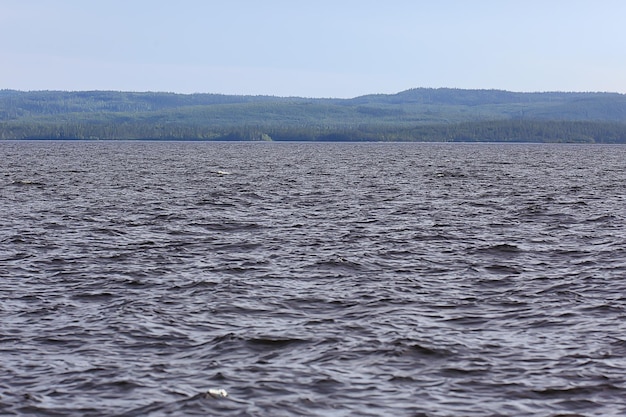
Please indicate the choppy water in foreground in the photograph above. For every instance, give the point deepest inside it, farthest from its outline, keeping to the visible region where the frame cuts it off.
(312, 279)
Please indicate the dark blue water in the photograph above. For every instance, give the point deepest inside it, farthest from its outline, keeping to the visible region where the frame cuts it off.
(248, 279)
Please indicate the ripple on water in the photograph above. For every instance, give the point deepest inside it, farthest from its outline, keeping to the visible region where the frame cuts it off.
(236, 279)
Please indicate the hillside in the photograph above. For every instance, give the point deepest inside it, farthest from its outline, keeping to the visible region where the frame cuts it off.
(412, 115)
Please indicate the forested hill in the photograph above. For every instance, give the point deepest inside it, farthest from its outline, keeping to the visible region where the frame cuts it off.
(413, 115)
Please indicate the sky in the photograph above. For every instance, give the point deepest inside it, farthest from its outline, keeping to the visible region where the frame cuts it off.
(312, 48)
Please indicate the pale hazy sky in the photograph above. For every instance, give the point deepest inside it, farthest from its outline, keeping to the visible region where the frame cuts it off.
(312, 48)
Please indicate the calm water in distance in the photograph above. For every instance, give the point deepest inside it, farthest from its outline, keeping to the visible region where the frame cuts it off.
(143, 278)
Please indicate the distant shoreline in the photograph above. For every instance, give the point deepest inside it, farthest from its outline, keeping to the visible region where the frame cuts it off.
(422, 115)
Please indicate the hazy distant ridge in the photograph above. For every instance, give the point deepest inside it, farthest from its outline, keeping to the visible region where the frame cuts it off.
(417, 114)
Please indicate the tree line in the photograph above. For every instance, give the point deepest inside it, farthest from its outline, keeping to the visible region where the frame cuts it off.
(482, 131)
(413, 115)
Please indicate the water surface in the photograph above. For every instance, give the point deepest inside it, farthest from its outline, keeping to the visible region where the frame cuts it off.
(312, 279)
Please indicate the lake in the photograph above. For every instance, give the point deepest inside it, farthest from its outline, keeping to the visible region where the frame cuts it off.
(312, 279)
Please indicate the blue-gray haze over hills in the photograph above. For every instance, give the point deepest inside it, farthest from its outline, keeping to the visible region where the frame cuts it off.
(413, 115)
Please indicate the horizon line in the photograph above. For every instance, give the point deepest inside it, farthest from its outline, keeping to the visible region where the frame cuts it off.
(310, 97)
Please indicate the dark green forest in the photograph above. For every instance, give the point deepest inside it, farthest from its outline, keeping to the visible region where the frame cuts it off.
(421, 114)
